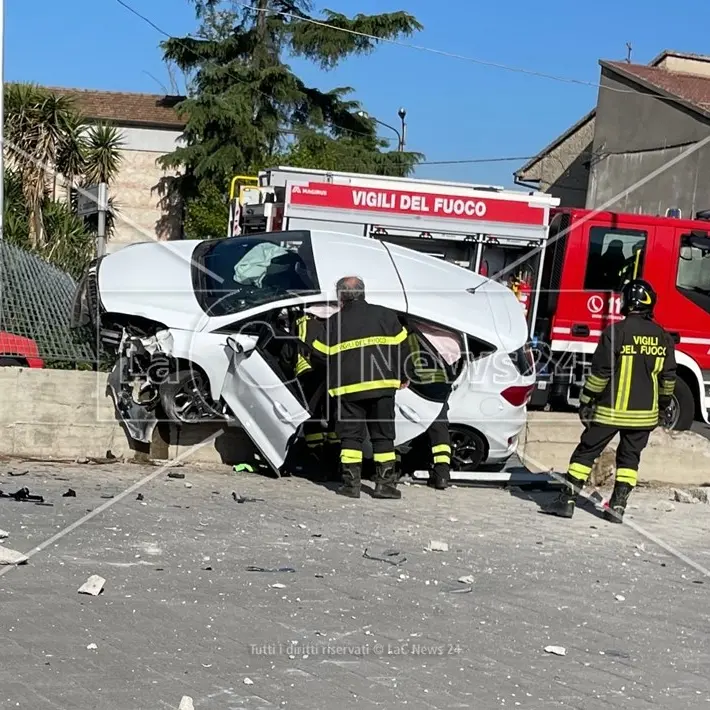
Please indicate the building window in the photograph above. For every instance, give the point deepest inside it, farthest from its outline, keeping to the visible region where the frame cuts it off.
(615, 257)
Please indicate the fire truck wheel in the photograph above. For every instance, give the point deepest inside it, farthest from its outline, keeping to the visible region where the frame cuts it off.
(684, 406)
(468, 448)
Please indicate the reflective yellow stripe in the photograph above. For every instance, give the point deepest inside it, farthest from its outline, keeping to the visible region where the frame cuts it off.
(360, 343)
(579, 471)
(667, 387)
(626, 475)
(332, 436)
(441, 448)
(302, 365)
(385, 458)
(596, 384)
(624, 387)
(314, 437)
(639, 419)
(442, 458)
(350, 456)
(364, 387)
(584, 398)
(654, 376)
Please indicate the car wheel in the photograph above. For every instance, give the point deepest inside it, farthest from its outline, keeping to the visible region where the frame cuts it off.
(187, 400)
(468, 448)
(12, 362)
(682, 407)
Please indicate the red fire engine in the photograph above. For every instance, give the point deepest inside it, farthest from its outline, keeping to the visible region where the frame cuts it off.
(566, 266)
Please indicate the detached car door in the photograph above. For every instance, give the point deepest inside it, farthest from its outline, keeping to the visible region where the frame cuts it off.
(256, 392)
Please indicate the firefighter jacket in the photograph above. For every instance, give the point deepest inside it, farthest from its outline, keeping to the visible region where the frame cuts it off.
(365, 349)
(633, 367)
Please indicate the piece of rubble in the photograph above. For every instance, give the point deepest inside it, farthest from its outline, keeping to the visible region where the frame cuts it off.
(278, 585)
(71, 493)
(683, 497)
(176, 474)
(391, 557)
(665, 506)
(93, 586)
(92, 647)
(186, 703)
(188, 484)
(556, 650)
(620, 598)
(699, 494)
(12, 557)
(467, 579)
(438, 546)
(4, 534)
(248, 681)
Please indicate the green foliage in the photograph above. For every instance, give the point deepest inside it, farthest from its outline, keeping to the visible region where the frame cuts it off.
(50, 149)
(207, 216)
(247, 109)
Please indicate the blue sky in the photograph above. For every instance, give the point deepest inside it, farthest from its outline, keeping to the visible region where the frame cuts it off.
(457, 110)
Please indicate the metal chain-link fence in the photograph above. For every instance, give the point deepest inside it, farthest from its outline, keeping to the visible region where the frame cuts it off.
(36, 302)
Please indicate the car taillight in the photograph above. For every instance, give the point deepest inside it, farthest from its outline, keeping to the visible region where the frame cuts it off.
(518, 396)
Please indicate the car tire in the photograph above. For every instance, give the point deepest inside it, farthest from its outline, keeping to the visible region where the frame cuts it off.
(12, 362)
(684, 405)
(182, 403)
(468, 448)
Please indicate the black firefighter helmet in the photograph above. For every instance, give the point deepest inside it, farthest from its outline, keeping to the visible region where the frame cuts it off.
(638, 296)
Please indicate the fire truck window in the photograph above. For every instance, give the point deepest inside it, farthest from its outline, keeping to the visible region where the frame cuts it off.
(693, 279)
(615, 256)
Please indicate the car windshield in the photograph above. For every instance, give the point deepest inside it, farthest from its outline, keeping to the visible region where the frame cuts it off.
(231, 275)
(693, 279)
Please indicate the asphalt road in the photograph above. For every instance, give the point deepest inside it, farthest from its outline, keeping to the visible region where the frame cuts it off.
(182, 614)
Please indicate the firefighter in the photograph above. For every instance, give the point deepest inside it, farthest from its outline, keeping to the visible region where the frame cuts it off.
(365, 348)
(322, 442)
(433, 383)
(632, 378)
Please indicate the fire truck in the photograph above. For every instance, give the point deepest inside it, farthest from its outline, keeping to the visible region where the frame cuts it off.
(566, 266)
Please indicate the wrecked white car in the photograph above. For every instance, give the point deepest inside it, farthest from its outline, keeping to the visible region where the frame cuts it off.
(200, 331)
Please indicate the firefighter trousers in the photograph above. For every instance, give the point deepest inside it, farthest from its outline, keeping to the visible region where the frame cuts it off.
(356, 418)
(314, 432)
(595, 438)
(440, 444)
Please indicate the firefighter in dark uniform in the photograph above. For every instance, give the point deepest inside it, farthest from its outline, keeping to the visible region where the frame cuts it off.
(433, 383)
(365, 347)
(630, 385)
(322, 443)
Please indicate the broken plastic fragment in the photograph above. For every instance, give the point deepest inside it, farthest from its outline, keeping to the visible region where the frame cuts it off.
(240, 467)
(391, 557)
(186, 703)
(248, 681)
(556, 650)
(93, 586)
(466, 579)
(438, 546)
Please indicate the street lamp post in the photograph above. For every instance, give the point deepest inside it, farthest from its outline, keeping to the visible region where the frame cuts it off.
(401, 135)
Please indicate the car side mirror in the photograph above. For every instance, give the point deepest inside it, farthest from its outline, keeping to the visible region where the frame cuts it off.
(235, 345)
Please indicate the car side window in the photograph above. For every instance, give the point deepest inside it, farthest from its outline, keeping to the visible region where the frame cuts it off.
(615, 256)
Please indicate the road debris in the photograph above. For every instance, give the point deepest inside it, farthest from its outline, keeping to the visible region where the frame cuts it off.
(11, 557)
(438, 546)
(4, 534)
(556, 650)
(71, 493)
(23, 495)
(242, 499)
(176, 474)
(17, 473)
(92, 647)
(186, 703)
(243, 467)
(278, 585)
(699, 494)
(391, 557)
(248, 681)
(682, 497)
(467, 579)
(253, 568)
(140, 497)
(93, 586)
(620, 597)
(188, 484)
(665, 506)
(107, 495)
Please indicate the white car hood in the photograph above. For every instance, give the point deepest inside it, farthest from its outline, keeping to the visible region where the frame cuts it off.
(153, 281)
(492, 312)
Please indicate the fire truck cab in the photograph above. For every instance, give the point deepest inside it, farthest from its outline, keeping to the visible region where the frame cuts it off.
(566, 266)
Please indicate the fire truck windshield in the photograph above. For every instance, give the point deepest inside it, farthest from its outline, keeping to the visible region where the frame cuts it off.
(693, 279)
(231, 275)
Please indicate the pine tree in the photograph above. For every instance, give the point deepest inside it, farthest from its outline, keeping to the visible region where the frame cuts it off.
(247, 109)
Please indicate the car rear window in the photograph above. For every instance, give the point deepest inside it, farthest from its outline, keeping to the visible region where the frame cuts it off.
(523, 360)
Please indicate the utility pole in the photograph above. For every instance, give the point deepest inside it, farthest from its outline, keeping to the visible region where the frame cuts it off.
(102, 204)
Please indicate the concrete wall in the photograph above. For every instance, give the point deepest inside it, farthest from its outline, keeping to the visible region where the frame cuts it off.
(139, 190)
(635, 135)
(66, 415)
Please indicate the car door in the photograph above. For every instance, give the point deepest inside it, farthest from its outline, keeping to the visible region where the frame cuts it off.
(413, 415)
(257, 394)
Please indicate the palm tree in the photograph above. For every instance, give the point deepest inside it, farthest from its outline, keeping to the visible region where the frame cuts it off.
(103, 154)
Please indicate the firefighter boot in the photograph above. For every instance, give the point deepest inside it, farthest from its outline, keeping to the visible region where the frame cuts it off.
(617, 503)
(386, 481)
(351, 475)
(563, 504)
(439, 478)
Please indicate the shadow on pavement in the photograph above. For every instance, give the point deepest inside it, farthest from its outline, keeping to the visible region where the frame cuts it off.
(542, 497)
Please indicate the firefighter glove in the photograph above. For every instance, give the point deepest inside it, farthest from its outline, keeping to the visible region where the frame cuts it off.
(586, 412)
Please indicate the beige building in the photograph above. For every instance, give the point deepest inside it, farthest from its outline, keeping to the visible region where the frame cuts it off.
(150, 127)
